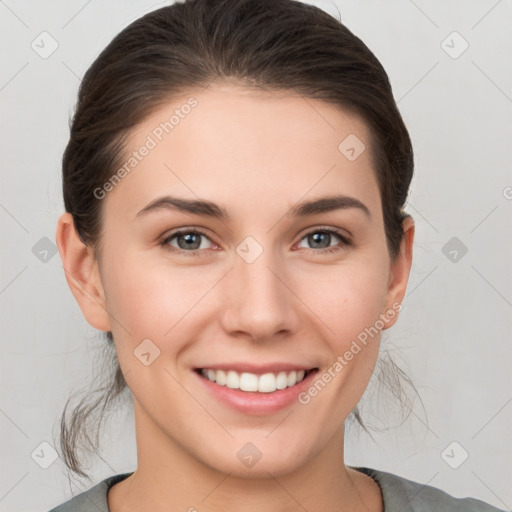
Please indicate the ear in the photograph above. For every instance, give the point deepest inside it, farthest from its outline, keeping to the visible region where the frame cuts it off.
(399, 275)
(82, 273)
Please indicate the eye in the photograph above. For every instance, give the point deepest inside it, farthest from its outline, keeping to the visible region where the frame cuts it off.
(322, 238)
(189, 240)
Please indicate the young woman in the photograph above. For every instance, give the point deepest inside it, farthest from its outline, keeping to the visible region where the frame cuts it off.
(234, 187)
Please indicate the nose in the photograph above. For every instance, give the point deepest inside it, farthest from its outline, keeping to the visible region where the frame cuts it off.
(258, 299)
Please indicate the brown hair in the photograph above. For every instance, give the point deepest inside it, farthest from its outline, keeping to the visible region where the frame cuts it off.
(279, 45)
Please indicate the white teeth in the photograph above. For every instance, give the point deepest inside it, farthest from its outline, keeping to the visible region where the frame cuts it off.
(282, 380)
(220, 377)
(233, 380)
(266, 383)
(248, 382)
(292, 378)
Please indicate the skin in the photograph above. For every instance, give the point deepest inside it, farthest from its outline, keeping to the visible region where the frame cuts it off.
(256, 154)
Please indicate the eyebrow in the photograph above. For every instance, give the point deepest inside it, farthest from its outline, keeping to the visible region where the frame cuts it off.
(210, 209)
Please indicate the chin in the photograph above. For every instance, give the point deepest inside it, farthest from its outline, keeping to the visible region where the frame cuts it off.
(257, 459)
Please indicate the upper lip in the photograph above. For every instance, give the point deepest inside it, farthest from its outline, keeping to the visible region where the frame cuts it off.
(241, 367)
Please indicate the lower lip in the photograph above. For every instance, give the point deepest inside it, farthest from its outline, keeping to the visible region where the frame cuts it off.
(250, 402)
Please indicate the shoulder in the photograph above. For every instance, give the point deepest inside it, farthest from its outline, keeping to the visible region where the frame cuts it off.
(93, 499)
(400, 494)
(408, 496)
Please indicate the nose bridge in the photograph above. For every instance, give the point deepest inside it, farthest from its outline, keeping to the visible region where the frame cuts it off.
(258, 303)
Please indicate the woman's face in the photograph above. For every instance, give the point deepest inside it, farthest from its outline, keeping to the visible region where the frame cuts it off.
(263, 289)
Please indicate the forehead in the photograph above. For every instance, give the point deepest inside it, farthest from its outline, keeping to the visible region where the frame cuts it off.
(239, 144)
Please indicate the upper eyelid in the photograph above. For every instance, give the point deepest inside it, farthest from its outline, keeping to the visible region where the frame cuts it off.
(337, 231)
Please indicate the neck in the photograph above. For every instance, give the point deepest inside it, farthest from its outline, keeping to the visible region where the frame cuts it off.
(168, 477)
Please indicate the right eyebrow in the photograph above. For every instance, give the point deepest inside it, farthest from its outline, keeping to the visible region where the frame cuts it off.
(196, 207)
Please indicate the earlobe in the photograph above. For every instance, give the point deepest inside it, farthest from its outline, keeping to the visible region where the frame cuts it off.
(82, 273)
(399, 273)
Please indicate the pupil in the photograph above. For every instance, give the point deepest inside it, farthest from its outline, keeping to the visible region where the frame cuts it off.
(189, 241)
(319, 237)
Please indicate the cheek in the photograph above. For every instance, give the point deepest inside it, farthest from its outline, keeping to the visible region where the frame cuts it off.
(146, 303)
(347, 299)
(349, 306)
(350, 303)
(147, 298)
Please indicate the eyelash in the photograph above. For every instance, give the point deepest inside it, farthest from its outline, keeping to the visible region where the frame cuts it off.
(196, 252)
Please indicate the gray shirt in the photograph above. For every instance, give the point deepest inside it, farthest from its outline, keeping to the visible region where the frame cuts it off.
(399, 494)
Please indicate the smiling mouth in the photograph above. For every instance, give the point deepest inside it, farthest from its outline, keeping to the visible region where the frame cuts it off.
(251, 382)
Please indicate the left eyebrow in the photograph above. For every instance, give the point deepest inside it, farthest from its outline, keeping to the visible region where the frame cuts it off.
(210, 209)
(327, 204)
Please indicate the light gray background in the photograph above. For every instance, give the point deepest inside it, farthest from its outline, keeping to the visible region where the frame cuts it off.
(454, 334)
